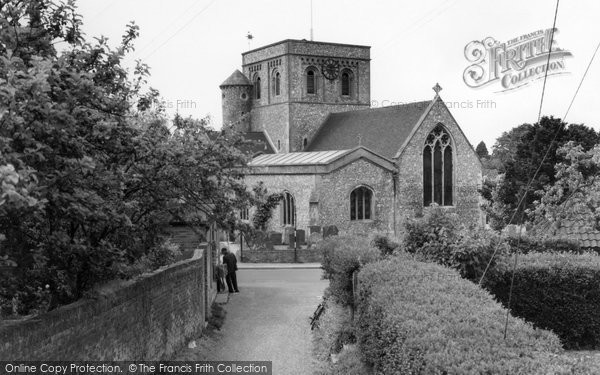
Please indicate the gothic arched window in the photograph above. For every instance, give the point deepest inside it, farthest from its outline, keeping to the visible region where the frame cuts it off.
(288, 209)
(346, 79)
(257, 87)
(311, 82)
(361, 200)
(277, 83)
(437, 168)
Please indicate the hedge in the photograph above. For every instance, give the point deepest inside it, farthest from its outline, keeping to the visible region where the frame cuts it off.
(342, 256)
(527, 244)
(556, 291)
(423, 318)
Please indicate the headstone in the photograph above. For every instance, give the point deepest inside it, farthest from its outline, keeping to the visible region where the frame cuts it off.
(314, 238)
(286, 234)
(300, 237)
(269, 244)
(330, 230)
(292, 241)
(314, 229)
(275, 238)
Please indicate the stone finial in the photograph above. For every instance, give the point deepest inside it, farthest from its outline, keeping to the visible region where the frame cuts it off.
(437, 88)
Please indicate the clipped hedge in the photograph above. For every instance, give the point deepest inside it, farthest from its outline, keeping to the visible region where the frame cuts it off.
(556, 291)
(342, 255)
(423, 318)
(527, 244)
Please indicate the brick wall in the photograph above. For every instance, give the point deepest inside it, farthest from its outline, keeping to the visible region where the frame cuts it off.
(282, 256)
(143, 320)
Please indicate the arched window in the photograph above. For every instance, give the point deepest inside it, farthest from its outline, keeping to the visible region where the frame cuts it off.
(257, 87)
(437, 168)
(361, 200)
(311, 82)
(288, 209)
(346, 80)
(277, 83)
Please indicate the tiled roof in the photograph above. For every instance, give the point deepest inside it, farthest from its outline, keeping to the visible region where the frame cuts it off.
(581, 230)
(237, 78)
(258, 143)
(382, 130)
(297, 158)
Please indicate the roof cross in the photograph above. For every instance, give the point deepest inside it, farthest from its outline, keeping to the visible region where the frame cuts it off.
(437, 88)
(359, 136)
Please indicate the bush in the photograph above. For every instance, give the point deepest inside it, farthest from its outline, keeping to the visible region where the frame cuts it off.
(437, 238)
(528, 244)
(384, 244)
(422, 318)
(556, 291)
(342, 256)
(333, 331)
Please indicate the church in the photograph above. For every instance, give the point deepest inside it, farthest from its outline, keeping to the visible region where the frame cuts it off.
(337, 161)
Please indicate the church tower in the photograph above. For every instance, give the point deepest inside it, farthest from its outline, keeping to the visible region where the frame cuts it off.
(236, 99)
(294, 85)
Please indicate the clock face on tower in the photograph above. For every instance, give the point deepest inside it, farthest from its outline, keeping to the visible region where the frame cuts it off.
(330, 69)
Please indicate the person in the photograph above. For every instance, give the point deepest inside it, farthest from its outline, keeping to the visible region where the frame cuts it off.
(230, 261)
(221, 273)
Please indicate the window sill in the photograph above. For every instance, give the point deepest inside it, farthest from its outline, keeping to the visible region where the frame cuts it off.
(363, 221)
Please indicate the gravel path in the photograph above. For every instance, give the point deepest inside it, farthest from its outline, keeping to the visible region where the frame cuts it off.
(268, 320)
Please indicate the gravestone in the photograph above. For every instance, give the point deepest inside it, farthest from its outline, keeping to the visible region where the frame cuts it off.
(300, 237)
(314, 229)
(330, 230)
(314, 238)
(275, 238)
(286, 234)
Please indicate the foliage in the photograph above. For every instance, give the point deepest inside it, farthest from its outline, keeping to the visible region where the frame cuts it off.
(265, 204)
(438, 238)
(422, 318)
(333, 331)
(89, 172)
(575, 196)
(342, 256)
(528, 244)
(384, 244)
(482, 150)
(521, 152)
(556, 291)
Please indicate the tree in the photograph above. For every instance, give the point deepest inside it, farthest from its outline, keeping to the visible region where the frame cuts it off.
(521, 152)
(482, 150)
(575, 195)
(90, 170)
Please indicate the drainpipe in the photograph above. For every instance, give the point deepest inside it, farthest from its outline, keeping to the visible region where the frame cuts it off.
(394, 178)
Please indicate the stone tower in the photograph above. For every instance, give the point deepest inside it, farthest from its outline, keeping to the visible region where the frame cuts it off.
(295, 85)
(236, 94)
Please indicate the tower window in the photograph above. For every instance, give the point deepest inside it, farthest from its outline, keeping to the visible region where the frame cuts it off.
(244, 214)
(346, 84)
(310, 82)
(304, 142)
(288, 209)
(257, 87)
(437, 168)
(277, 83)
(360, 203)
(278, 144)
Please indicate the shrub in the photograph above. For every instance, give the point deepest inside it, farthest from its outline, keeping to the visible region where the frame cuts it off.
(557, 291)
(342, 256)
(437, 238)
(422, 318)
(384, 244)
(333, 331)
(529, 244)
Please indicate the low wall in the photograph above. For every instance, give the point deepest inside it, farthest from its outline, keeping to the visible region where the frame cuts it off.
(282, 256)
(145, 319)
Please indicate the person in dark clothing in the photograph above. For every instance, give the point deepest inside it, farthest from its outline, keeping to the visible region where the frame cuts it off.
(230, 261)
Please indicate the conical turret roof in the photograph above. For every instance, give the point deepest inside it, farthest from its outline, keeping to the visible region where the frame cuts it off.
(237, 78)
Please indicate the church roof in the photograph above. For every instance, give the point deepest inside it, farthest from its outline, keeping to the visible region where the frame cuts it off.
(382, 130)
(297, 158)
(237, 78)
(258, 144)
(315, 162)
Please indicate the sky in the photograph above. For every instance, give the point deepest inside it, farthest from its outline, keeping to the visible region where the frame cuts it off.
(192, 46)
